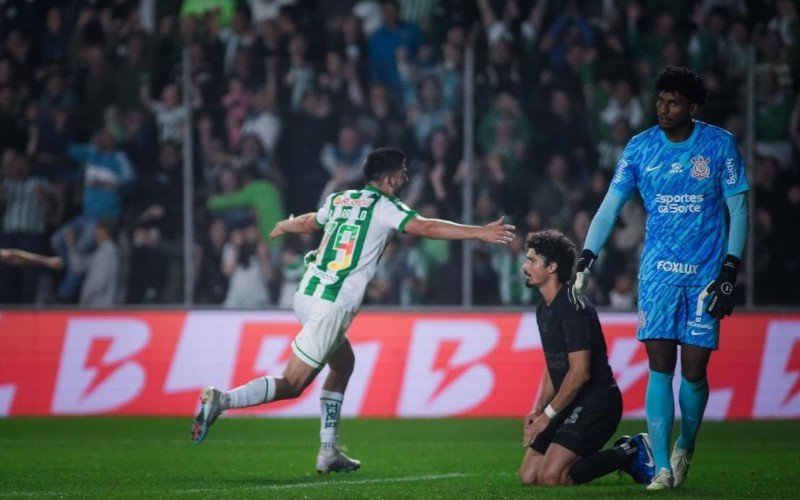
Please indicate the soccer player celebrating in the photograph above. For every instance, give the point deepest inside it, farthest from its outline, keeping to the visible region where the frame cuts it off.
(580, 405)
(687, 172)
(356, 225)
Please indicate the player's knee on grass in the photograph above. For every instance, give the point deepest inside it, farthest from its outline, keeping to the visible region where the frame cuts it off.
(552, 476)
(529, 469)
(528, 475)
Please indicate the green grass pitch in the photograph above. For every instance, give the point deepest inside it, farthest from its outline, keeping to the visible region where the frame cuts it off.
(274, 458)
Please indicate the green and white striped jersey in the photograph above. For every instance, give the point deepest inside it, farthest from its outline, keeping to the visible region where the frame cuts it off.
(356, 226)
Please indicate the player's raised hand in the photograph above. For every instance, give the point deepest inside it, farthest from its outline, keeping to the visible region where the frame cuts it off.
(498, 232)
(720, 292)
(576, 286)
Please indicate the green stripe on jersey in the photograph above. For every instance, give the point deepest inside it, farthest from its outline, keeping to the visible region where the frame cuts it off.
(342, 243)
(362, 225)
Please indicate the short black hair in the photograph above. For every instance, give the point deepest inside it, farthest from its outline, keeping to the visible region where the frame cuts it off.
(382, 162)
(554, 246)
(684, 81)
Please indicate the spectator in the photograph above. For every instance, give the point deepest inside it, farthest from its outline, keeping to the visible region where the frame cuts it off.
(131, 72)
(507, 262)
(563, 132)
(568, 29)
(384, 44)
(299, 77)
(343, 161)
(772, 120)
(156, 223)
(106, 174)
(94, 90)
(430, 112)
(610, 149)
(264, 122)
(623, 105)
(307, 132)
(238, 37)
(433, 180)
(52, 30)
(25, 201)
(211, 284)
(622, 295)
(341, 81)
(292, 265)
(237, 106)
(246, 263)
(101, 286)
(379, 123)
(13, 128)
(553, 198)
(170, 115)
(261, 197)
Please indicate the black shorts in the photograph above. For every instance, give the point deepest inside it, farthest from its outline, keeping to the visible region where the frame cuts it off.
(585, 425)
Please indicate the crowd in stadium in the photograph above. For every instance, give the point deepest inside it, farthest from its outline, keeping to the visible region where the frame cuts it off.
(288, 97)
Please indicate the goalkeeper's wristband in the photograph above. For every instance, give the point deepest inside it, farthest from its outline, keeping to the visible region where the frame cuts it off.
(730, 266)
(550, 411)
(727, 275)
(586, 260)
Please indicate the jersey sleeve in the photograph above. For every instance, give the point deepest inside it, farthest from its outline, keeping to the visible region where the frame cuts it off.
(324, 212)
(577, 331)
(394, 213)
(623, 184)
(733, 179)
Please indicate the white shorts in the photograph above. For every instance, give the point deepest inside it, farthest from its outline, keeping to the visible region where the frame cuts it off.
(324, 327)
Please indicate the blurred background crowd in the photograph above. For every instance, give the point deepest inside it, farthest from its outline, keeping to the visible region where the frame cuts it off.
(288, 96)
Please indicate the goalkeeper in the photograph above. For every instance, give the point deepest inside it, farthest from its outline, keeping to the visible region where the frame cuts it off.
(688, 173)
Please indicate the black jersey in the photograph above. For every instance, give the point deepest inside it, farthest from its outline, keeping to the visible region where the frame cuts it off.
(564, 330)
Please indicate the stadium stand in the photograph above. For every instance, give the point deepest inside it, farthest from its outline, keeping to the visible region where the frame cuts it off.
(288, 95)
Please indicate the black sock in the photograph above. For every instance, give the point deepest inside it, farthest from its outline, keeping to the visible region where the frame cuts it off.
(602, 462)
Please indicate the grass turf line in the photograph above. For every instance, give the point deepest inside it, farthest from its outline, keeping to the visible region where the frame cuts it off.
(274, 458)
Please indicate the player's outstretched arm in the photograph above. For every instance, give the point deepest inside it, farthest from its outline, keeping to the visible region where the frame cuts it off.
(14, 257)
(497, 232)
(306, 223)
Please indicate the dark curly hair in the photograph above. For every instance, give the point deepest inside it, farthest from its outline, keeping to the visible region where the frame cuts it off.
(382, 162)
(684, 81)
(554, 246)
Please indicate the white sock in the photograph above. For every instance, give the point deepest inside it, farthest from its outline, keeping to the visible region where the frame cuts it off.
(330, 404)
(257, 391)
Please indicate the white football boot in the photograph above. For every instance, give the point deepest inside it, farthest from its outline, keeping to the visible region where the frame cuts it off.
(663, 480)
(680, 462)
(333, 460)
(210, 410)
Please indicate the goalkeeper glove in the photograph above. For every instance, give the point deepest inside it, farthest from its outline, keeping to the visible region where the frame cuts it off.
(576, 286)
(720, 292)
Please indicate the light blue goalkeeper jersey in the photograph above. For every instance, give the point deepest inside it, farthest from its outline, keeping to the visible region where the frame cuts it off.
(684, 186)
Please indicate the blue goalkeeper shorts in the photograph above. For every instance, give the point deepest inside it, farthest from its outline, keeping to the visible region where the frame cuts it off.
(671, 312)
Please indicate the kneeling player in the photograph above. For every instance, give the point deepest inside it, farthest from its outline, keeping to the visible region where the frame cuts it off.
(579, 405)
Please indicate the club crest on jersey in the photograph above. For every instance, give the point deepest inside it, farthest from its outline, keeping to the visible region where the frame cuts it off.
(700, 168)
